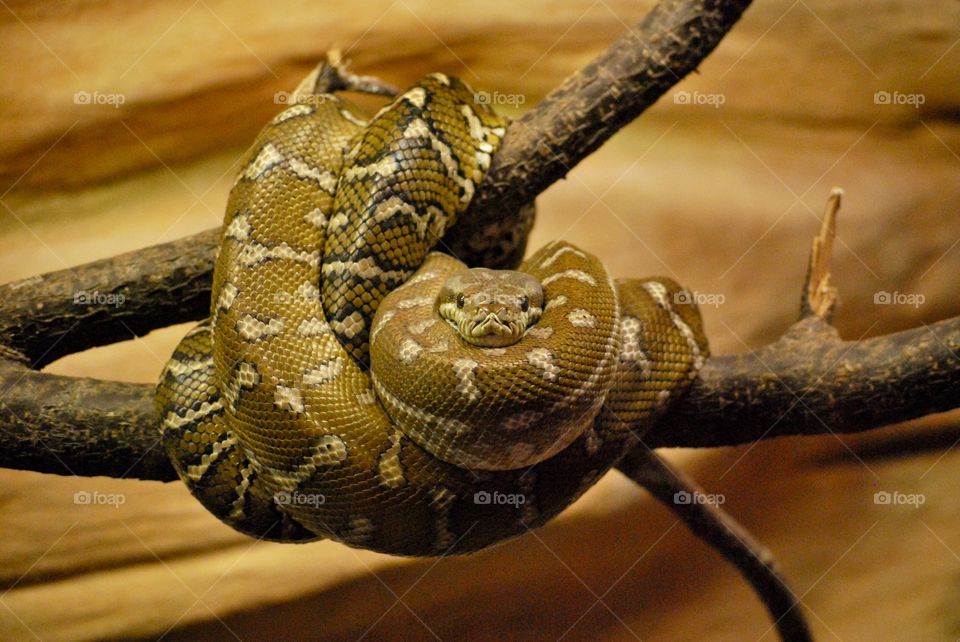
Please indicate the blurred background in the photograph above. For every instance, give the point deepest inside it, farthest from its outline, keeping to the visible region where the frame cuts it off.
(121, 126)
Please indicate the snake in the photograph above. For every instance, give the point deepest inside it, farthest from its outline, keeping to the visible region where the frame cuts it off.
(355, 382)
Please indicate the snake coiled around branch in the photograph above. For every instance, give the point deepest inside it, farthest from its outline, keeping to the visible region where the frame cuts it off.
(271, 413)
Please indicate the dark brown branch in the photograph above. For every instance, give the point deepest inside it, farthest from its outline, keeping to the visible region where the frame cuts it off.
(716, 528)
(589, 107)
(810, 382)
(60, 313)
(73, 426)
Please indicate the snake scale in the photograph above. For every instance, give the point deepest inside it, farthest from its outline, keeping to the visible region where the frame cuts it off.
(352, 383)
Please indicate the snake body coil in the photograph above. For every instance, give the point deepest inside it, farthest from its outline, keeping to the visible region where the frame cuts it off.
(275, 421)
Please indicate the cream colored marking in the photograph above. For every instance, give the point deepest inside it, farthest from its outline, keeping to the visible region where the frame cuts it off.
(254, 253)
(662, 397)
(421, 326)
(420, 278)
(542, 333)
(286, 398)
(630, 329)
(367, 398)
(180, 368)
(349, 116)
(464, 371)
(349, 327)
(543, 359)
(292, 112)
(323, 373)
(555, 302)
(483, 159)
(409, 351)
(339, 220)
(196, 471)
(330, 450)
(325, 179)
(495, 352)
(360, 531)
(381, 324)
(227, 295)
(547, 262)
(382, 167)
(268, 156)
(416, 302)
(389, 466)
(658, 292)
(236, 509)
(498, 131)
(307, 292)
(441, 78)
(239, 228)
(417, 128)
(173, 421)
(579, 275)
(317, 219)
(391, 207)
(365, 268)
(251, 328)
(439, 346)
(313, 327)
(247, 375)
(582, 318)
(476, 127)
(416, 97)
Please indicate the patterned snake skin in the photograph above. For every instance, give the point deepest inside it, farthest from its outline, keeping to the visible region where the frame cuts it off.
(270, 410)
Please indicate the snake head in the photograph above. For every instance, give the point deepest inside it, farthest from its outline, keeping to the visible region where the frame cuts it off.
(490, 308)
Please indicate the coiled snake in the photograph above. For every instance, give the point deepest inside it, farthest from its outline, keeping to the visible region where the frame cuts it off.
(494, 400)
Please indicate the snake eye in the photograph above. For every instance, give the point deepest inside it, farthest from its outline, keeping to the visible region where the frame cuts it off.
(524, 304)
(460, 300)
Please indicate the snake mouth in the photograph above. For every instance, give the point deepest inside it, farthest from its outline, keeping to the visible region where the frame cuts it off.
(489, 332)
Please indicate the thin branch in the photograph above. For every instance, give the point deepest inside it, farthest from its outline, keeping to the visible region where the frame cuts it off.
(716, 528)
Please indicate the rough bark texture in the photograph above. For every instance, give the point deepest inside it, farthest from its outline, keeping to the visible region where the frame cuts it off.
(811, 382)
(589, 107)
(75, 309)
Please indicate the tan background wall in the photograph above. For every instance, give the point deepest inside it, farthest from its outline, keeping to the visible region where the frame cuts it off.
(722, 197)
